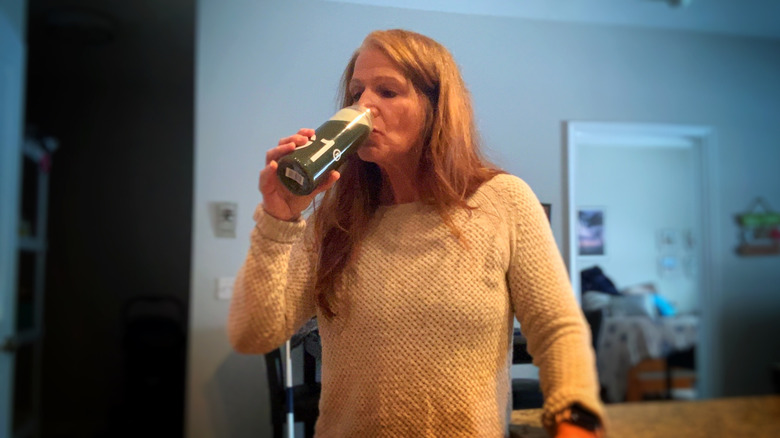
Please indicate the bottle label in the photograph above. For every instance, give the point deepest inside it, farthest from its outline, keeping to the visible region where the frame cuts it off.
(293, 175)
(326, 144)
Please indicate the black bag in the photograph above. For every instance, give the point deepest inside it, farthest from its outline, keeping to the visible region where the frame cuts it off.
(594, 279)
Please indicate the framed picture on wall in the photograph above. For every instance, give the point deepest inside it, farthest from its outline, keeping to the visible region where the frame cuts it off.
(668, 240)
(590, 231)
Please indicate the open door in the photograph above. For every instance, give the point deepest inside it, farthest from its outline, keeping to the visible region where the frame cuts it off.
(640, 199)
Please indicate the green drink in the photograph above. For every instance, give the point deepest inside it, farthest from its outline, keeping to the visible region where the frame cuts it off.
(305, 168)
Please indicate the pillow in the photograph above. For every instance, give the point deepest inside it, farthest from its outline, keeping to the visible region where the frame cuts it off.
(665, 308)
(638, 289)
(595, 300)
(634, 305)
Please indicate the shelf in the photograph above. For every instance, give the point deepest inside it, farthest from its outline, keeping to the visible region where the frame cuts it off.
(22, 339)
(32, 244)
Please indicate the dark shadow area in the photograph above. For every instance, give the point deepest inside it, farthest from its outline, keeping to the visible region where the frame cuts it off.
(113, 82)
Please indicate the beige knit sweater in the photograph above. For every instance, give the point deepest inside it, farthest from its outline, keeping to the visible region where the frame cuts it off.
(421, 345)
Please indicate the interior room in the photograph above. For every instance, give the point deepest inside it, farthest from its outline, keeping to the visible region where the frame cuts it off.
(639, 196)
(133, 135)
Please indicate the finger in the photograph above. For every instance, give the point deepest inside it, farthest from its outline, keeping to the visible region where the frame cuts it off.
(306, 132)
(298, 139)
(328, 183)
(266, 176)
(279, 151)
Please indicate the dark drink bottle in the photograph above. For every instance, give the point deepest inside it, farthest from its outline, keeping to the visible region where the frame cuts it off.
(302, 170)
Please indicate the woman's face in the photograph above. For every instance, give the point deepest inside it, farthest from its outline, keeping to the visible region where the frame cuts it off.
(398, 111)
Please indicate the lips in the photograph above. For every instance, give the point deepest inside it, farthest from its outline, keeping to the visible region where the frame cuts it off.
(371, 140)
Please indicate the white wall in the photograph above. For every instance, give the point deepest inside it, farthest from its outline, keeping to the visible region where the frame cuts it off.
(266, 69)
(643, 190)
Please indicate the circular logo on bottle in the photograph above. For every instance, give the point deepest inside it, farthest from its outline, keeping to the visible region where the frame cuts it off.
(336, 154)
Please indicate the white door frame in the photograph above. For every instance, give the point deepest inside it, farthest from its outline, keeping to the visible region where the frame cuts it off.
(703, 137)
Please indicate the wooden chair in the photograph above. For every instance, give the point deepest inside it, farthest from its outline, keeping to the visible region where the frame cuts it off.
(660, 378)
(526, 393)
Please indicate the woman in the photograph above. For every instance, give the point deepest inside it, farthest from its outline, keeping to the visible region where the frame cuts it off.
(415, 261)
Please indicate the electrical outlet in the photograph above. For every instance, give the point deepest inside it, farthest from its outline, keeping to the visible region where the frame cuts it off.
(225, 287)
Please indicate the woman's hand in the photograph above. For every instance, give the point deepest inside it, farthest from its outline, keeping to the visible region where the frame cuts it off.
(277, 200)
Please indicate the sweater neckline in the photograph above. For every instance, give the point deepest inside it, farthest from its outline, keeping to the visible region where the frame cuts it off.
(406, 207)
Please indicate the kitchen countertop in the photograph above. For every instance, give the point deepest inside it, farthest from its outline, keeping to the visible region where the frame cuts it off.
(754, 417)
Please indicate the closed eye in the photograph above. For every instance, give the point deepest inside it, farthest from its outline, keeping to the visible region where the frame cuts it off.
(387, 93)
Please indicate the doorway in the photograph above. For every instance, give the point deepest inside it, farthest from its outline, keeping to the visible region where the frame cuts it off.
(638, 199)
(114, 83)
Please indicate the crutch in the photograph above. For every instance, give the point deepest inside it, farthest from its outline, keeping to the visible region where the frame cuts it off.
(288, 384)
(296, 339)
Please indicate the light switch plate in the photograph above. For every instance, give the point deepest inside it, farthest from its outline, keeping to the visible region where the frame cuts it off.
(225, 219)
(225, 287)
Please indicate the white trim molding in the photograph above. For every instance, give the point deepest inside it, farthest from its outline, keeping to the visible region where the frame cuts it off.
(703, 138)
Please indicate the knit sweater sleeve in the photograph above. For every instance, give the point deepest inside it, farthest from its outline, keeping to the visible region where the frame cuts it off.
(558, 336)
(273, 291)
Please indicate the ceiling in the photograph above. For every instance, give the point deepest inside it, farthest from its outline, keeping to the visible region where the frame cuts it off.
(757, 18)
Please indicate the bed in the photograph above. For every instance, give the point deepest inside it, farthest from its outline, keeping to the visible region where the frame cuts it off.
(630, 330)
(625, 341)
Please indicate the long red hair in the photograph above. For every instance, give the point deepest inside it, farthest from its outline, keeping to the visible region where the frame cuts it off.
(450, 170)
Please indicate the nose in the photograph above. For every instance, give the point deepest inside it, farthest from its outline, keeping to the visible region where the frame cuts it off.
(369, 100)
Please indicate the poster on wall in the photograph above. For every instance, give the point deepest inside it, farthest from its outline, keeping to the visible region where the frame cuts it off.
(590, 231)
(668, 240)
